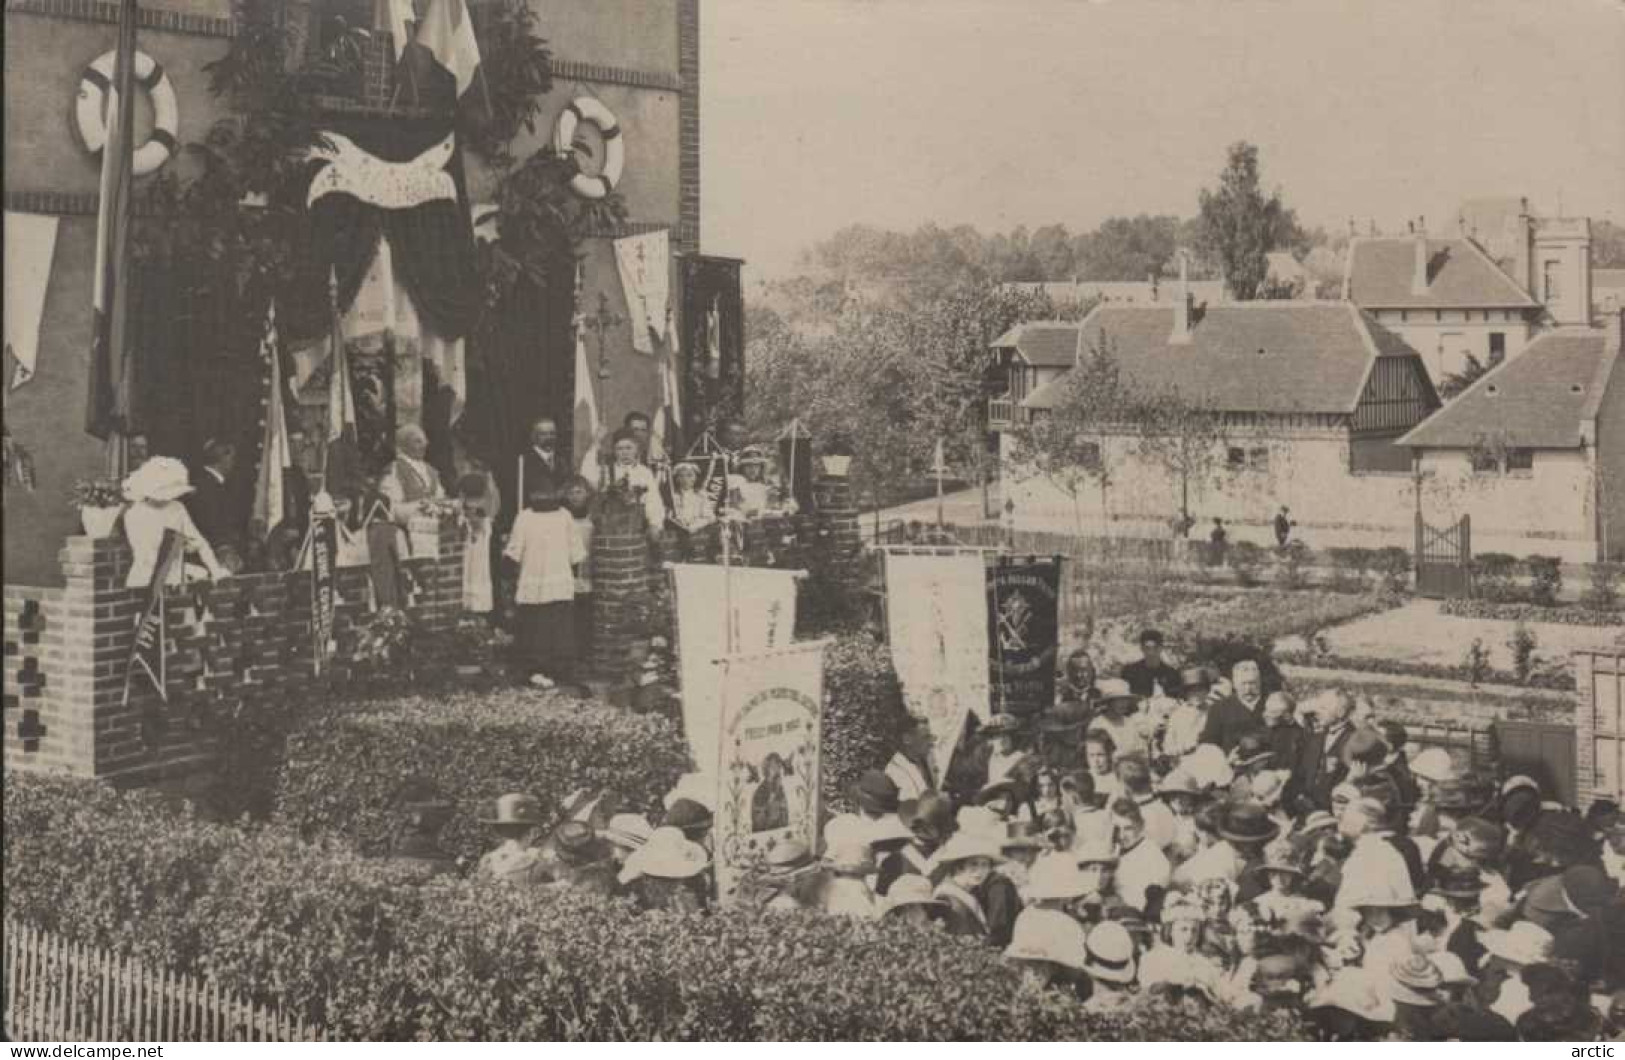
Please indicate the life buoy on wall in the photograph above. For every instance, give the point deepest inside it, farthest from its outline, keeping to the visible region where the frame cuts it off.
(90, 111)
(587, 109)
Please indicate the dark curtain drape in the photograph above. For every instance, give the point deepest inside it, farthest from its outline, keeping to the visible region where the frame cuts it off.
(707, 401)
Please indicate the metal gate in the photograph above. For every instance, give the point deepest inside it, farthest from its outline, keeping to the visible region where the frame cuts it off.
(1543, 752)
(1599, 678)
(1444, 558)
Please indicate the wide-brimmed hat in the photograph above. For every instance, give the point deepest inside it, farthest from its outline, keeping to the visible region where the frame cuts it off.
(1108, 953)
(1208, 766)
(1521, 944)
(787, 858)
(1047, 935)
(1022, 835)
(845, 828)
(1095, 852)
(889, 828)
(1179, 782)
(1114, 688)
(910, 889)
(966, 845)
(1253, 749)
(1316, 821)
(1001, 723)
(162, 478)
(875, 792)
(1269, 786)
(982, 821)
(691, 817)
(1006, 788)
(1458, 881)
(1196, 678)
(577, 843)
(1452, 972)
(852, 859)
(1056, 878)
(512, 810)
(1415, 981)
(1433, 764)
(628, 830)
(668, 855)
(1247, 822)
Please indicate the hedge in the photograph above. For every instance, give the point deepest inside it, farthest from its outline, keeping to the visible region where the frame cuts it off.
(350, 944)
(1556, 680)
(343, 773)
(864, 714)
(1511, 612)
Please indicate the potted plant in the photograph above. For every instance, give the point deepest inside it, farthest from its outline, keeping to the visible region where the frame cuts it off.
(99, 500)
(837, 458)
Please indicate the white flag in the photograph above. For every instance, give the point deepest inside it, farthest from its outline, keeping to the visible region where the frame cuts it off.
(30, 246)
(587, 428)
(644, 262)
(275, 454)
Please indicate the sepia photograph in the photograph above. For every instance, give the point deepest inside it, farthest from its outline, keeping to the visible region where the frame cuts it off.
(907, 521)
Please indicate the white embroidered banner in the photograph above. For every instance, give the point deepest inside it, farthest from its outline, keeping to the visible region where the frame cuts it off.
(770, 741)
(30, 247)
(391, 185)
(764, 618)
(645, 262)
(936, 616)
(383, 304)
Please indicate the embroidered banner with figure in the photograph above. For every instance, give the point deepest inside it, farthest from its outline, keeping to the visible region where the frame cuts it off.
(937, 624)
(769, 749)
(1023, 597)
(764, 618)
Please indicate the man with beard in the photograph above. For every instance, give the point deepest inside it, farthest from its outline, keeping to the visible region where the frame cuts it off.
(1240, 712)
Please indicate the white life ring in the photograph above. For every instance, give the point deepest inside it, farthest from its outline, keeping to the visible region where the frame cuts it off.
(90, 111)
(587, 109)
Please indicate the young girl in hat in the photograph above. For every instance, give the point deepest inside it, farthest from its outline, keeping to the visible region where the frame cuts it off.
(961, 867)
(1177, 960)
(154, 491)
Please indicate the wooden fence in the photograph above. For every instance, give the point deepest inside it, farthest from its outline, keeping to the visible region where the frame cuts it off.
(60, 991)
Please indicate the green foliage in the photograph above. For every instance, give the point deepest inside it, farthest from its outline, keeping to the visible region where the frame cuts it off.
(1477, 662)
(1564, 615)
(1603, 593)
(1545, 579)
(1455, 382)
(1393, 565)
(1522, 644)
(1239, 225)
(515, 73)
(352, 945)
(1350, 566)
(864, 716)
(343, 773)
(1291, 563)
(1246, 558)
(1493, 576)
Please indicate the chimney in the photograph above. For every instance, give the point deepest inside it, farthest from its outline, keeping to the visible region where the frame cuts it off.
(1523, 247)
(1182, 307)
(1419, 271)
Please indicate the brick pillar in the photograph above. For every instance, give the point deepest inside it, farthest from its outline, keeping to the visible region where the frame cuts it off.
(620, 581)
(688, 121)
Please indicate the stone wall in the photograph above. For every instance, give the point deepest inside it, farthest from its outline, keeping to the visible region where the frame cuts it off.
(230, 642)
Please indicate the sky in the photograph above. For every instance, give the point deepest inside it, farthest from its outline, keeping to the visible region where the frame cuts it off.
(821, 113)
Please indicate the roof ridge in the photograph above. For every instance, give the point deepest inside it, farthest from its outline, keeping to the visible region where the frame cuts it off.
(1497, 270)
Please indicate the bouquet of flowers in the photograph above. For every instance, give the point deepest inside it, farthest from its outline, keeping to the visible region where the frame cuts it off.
(97, 493)
(384, 637)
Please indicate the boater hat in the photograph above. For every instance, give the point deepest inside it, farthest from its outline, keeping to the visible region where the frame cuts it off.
(1415, 981)
(1047, 935)
(1108, 953)
(1114, 688)
(908, 890)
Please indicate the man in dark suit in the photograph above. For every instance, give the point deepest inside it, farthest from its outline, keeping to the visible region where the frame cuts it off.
(1151, 670)
(540, 467)
(209, 504)
(1321, 766)
(1239, 710)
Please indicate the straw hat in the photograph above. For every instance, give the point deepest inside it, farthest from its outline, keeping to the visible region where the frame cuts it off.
(628, 830)
(1114, 688)
(1208, 766)
(1269, 786)
(982, 821)
(1179, 782)
(964, 846)
(668, 855)
(1006, 788)
(1452, 972)
(1523, 943)
(514, 809)
(1047, 935)
(851, 859)
(1433, 764)
(1056, 878)
(1317, 821)
(1096, 852)
(844, 829)
(162, 478)
(787, 858)
(889, 829)
(1108, 953)
(909, 890)
(751, 454)
(1415, 981)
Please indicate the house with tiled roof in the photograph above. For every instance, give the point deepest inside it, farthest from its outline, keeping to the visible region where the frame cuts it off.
(1028, 357)
(1311, 397)
(1150, 291)
(1534, 450)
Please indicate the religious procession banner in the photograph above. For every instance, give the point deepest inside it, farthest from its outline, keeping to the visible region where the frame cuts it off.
(324, 549)
(763, 617)
(1023, 595)
(769, 749)
(936, 620)
(148, 653)
(644, 262)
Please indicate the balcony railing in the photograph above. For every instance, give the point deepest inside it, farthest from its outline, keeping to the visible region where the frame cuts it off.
(1001, 412)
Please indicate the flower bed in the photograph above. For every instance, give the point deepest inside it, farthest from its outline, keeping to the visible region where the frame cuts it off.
(1558, 680)
(343, 772)
(1516, 612)
(350, 944)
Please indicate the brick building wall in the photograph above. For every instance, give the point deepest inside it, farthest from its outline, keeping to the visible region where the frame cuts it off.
(230, 641)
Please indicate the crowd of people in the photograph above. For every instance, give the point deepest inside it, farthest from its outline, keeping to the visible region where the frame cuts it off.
(1178, 833)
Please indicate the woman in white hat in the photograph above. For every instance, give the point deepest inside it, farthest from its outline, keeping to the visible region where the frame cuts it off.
(1511, 951)
(1177, 960)
(961, 867)
(911, 901)
(1120, 717)
(847, 892)
(669, 872)
(1048, 948)
(154, 491)
(1109, 959)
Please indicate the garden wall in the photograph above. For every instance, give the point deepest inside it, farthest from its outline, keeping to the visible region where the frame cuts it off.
(67, 652)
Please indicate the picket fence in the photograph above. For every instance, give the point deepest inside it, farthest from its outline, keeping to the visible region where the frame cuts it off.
(58, 990)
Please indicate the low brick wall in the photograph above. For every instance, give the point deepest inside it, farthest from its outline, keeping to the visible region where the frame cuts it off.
(67, 652)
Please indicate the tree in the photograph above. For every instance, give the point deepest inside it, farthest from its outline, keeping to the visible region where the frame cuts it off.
(1240, 225)
(1455, 382)
(1607, 245)
(1128, 248)
(1182, 436)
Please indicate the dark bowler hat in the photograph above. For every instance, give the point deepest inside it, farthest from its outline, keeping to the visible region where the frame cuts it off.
(1195, 679)
(1459, 881)
(1247, 822)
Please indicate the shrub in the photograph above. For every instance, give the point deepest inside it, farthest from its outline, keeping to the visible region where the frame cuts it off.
(1560, 615)
(1477, 663)
(1246, 559)
(343, 771)
(1493, 576)
(1393, 566)
(1350, 567)
(351, 945)
(1545, 579)
(864, 714)
(1291, 563)
(1603, 593)
(1522, 644)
